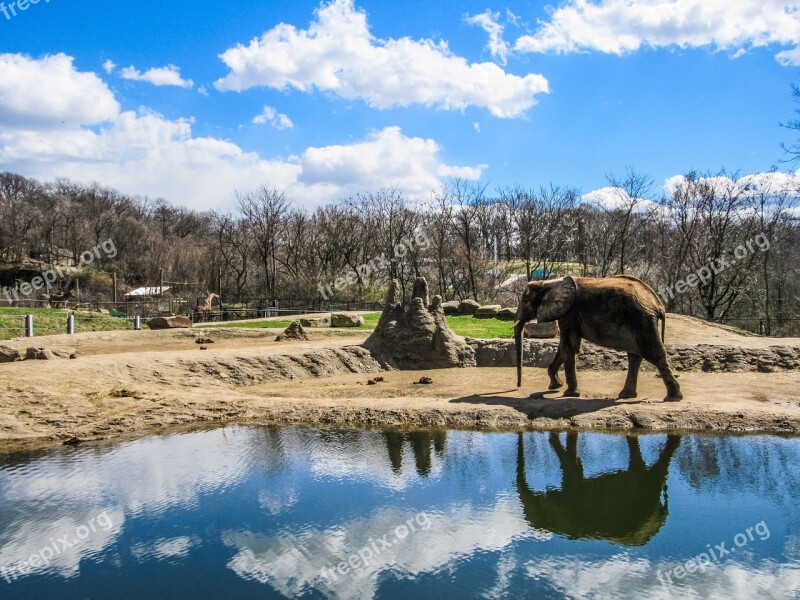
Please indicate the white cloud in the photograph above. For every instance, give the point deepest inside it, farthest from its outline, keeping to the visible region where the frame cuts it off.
(338, 54)
(169, 75)
(293, 564)
(201, 172)
(109, 66)
(71, 97)
(622, 26)
(621, 576)
(274, 118)
(386, 157)
(789, 58)
(611, 198)
(165, 549)
(769, 183)
(488, 21)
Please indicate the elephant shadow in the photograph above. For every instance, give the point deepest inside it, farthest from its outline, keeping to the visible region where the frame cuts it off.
(539, 405)
(626, 507)
(423, 444)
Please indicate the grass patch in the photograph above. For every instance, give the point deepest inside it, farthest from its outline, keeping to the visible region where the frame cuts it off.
(50, 321)
(469, 326)
(464, 325)
(370, 321)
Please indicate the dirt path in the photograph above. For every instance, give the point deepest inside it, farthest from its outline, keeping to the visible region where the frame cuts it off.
(134, 383)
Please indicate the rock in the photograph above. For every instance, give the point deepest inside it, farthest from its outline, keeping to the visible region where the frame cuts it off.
(202, 340)
(294, 331)
(315, 322)
(170, 323)
(417, 337)
(64, 352)
(346, 320)
(451, 308)
(9, 354)
(468, 307)
(488, 312)
(506, 314)
(372, 382)
(55, 352)
(542, 330)
(424, 381)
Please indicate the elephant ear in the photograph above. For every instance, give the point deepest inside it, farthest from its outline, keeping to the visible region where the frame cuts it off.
(557, 300)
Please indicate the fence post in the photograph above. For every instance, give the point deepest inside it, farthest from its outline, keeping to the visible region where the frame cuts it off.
(71, 324)
(29, 326)
(137, 323)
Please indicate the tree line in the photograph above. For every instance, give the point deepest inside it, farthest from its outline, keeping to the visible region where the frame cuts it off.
(715, 245)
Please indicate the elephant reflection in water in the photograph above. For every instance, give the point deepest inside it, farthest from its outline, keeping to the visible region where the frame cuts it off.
(625, 507)
(421, 442)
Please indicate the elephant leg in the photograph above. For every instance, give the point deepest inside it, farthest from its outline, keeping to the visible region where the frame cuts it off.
(634, 362)
(569, 350)
(552, 370)
(635, 460)
(659, 361)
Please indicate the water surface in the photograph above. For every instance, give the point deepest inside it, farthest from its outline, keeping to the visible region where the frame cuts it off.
(273, 512)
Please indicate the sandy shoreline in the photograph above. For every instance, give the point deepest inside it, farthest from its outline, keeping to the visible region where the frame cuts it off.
(128, 384)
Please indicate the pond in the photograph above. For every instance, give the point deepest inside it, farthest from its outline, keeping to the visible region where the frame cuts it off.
(274, 512)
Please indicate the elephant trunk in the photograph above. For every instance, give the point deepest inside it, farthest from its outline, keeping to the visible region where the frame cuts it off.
(519, 326)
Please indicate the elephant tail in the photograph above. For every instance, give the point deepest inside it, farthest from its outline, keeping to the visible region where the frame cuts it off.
(663, 316)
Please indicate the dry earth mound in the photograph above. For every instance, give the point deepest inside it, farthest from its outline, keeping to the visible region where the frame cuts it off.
(417, 337)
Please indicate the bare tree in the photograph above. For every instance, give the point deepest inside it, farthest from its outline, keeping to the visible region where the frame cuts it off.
(265, 211)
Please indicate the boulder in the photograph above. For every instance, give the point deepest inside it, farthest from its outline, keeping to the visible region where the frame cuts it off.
(506, 314)
(170, 323)
(51, 353)
(542, 330)
(451, 308)
(9, 354)
(468, 307)
(417, 337)
(488, 312)
(315, 322)
(346, 320)
(295, 331)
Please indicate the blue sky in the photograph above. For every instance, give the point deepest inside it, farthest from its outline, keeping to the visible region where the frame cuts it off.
(364, 94)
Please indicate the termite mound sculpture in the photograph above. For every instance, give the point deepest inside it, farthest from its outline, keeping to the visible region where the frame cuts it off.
(417, 336)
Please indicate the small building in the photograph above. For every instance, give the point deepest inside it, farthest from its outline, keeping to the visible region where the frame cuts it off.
(146, 293)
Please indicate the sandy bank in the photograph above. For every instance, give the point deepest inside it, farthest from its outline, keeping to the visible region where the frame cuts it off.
(134, 383)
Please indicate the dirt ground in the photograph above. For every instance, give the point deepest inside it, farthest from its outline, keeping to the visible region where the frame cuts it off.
(129, 383)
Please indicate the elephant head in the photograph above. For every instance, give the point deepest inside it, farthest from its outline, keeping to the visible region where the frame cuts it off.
(544, 301)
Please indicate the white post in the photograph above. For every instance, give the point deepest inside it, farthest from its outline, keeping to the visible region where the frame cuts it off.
(29, 326)
(137, 323)
(71, 324)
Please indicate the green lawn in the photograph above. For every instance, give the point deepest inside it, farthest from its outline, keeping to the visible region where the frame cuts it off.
(465, 325)
(469, 326)
(52, 321)
(370, 321)
(48, 321)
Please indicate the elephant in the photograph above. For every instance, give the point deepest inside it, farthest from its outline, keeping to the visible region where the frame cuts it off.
(619, 312)
(626, 507)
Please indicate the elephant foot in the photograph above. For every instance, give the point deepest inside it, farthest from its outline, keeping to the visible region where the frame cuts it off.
(572, 394)
(555, 384)
(625, 394)
(676, 397)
